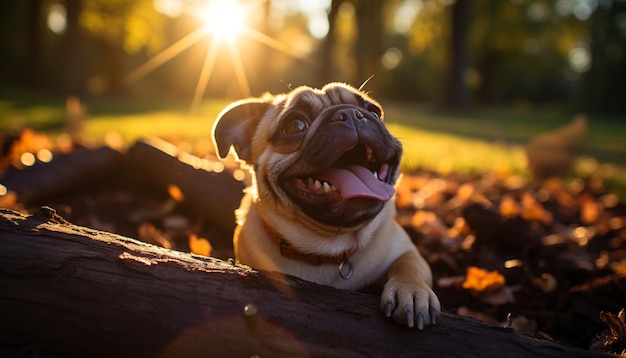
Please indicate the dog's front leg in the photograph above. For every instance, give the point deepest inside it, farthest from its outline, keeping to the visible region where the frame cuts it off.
(407, 296)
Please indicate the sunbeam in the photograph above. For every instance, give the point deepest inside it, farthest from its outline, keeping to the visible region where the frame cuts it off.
(205, 75)
(223, 22)
(240, 72)
(277, 45)
(165, 55)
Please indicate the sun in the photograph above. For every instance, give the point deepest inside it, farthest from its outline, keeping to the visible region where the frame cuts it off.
(221, 22)
(223, 19)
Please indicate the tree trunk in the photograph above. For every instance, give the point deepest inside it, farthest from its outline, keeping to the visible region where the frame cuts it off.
(603, 88)
(369, 41)
(72, 291)
(327, 68)
(33, 72)
(113, 60)
(457, 95)
(72, 64)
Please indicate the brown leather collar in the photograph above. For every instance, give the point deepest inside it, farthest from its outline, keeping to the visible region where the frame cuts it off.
(291, 252)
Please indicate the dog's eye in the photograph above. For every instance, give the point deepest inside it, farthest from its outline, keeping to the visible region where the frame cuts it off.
(294, 125)
(373, 109)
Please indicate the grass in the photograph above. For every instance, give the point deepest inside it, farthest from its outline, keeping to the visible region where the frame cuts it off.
(444, 141)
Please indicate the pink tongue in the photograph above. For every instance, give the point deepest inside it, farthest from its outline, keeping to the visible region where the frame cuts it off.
(357, 182)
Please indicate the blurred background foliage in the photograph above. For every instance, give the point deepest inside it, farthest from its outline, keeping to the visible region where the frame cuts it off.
(456, 54)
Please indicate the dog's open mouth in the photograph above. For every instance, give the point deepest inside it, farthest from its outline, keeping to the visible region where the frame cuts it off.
(358, 174)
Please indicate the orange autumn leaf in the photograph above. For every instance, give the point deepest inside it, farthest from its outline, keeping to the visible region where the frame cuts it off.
(175, 193)
(532, 210)
(480, 280)
(508, 207)
(465, 192)
(199, 246)
(428, 223)
(590, 210)
(620, 268)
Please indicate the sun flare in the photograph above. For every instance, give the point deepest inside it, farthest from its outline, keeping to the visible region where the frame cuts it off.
(224, 19)
(221, 22)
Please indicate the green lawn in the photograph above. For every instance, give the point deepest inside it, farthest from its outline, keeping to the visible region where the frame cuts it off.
(477, 140)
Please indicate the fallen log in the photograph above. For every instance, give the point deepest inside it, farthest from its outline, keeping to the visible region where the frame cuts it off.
(150, 163)
(157, 163)
(67, 173)
(72, 291)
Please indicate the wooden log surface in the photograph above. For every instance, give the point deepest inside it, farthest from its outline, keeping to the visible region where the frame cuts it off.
(155, 162)
(67, 290)
(67, 173)
(148, 163)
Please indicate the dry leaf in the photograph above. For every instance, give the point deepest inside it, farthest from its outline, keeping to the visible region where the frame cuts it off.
(523, 325)
(619, 267)
(479, 280)
(532, 210)
(465, 192)
(497, 297)
(546, 282)
(199, 246)
(616, 340)
(150, 234)
(451, 281)
(508, 207)
(175, 193)
(429, 224)
(589, 210)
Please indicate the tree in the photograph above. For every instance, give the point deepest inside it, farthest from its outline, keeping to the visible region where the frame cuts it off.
(121, 28)
(34, 42)
(457, 95)
(369, 40)
(72, 74)
(327, 68)
(604, 82)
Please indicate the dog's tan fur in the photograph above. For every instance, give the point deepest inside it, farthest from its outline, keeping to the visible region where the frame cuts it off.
(382, 249)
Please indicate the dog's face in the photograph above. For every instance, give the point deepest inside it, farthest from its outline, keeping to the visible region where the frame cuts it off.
(321, 157)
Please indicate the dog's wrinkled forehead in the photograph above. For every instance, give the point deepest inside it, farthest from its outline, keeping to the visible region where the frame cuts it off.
(314, 101)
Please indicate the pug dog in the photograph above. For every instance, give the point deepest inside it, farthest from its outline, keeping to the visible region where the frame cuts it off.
(321, 204)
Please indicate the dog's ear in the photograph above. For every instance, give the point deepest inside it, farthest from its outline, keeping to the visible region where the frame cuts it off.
(236, 125)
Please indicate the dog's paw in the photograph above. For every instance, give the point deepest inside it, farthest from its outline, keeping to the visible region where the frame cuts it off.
(410, 303)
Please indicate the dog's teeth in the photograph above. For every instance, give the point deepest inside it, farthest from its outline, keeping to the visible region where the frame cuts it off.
(384, 171)
(368, 153)
(327, 187)
(317, 184)
(376, 175)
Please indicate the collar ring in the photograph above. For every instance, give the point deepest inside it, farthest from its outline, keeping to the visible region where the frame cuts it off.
(345, 268)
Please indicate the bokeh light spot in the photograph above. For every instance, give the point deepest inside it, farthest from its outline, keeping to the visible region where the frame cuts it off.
(391, 58)
(27, 159)
(57, 19)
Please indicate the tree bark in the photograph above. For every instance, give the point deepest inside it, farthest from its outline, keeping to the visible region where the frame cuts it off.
(72, 66)
(369, 46)
(457, 95)
(327, 68)
(72, 291)
(65, 174)
(150, 163)
(33, 72)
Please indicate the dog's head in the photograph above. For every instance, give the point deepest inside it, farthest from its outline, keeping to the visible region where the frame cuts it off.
(319, 156)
